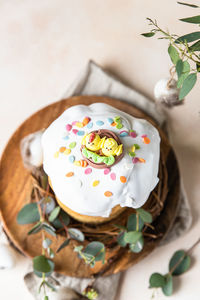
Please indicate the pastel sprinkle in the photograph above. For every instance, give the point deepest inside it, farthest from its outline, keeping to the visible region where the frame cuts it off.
(123, 133)
(136, 146)
(66, 137)
(110, 120)
(86, 120)
(72, 145)
(113, 176)
(56, 154)
(117, 119)
(79, 124)
(80, 132)
(74, 123)
(142, 160)
(135, 160)
(123, 179)
(119, 126)
(113, 124)
(133, 134)
(71, 158)
(67, 151)
(77, 163)
(68, 127)
(146, 140)
(83, 163)
(131, 154)
(70, 174)
(99, 123)
(133, 148)
(106, 171)
(75, 131)
(90, 125)
(62, 149)
(95, 183)
(88, 171)
(108, 194)
(144, 135)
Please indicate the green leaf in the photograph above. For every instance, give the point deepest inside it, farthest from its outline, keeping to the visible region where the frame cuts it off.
(132, 222)
(191, 37)
(138, 246)
(53, 289)
(187, 4)
(44, 181)
(54, 214)
(76, 234)
(35, 229)
(96, 249)
(174, 55)
(185, 72)
(120, 239)
(41, 264)
(64, 218)
(195, 46)
(63, 245)
(148, 34)
(168, 286)
(156, 280)
(198, 67)
(193, 20)
(144, 215)
(49, 229)
(179, 67)
(188, 84)
(46, 298)
(183, 266)
(46, 243)
(132, 237)
(28, 214)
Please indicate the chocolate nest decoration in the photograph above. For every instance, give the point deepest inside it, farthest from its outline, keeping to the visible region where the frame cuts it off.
(108, 134)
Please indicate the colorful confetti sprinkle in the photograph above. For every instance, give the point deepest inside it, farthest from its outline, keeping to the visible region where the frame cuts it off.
(108, 194)
(119, 126)
(79, 124)
(81, 163)
(142, 160)
(99, 123)
(72, 145)
(135, 160)
(137, 147)
(66, 138)
(67, 151)
(144, 135)
(123, 133)
(113, 176)
(74, 123)
(68, 127)
(80, 133)
(133, 148)
(71, 158)
(95, 183)
(86, 120)
(106, 171)
(88, 171)
(75, 131)
(56, 154)
(90, 125)
(132, 154)
(62, 149)
(146, 140)
(113, 124)
(70, 174)
(133, 134)
(77, 163)
(110, 120)
(123, 179)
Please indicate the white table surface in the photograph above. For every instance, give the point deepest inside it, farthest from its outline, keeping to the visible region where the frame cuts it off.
(44, 45)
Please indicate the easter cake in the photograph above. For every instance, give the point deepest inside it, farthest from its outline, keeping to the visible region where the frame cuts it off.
(100, 160)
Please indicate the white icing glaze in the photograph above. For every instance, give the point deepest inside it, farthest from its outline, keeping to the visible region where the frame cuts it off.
(77, 192)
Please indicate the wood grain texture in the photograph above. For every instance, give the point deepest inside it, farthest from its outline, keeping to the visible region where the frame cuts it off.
(15, 187)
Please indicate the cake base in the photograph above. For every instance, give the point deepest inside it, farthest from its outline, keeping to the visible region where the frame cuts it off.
(16, 185)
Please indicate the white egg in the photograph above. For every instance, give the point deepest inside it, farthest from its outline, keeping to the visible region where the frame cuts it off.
(7, 257)
(166, 92)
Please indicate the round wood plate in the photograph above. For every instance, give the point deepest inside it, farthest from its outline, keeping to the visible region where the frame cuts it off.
(16, 185)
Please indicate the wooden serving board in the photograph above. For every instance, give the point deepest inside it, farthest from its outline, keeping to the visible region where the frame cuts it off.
(15, 186)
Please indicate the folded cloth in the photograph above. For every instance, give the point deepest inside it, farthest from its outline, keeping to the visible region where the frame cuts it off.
(93, 80)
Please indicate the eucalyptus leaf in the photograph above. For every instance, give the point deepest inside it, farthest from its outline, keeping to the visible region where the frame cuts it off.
(41, 264)
(179, 67)
(76, 234)
(193, 20)
(198, 67)
(50, 253)
(144, 215)
(46, 243)
(156, 280)
(195, 46)
(53, 289)
(39, 274)
(96, 249)
(120, 239)
(183, 265)
(36, 228)
(190, 37)
(49, 229)
(132, 237)
(138, 246)
(28, 214)
(188, 84)
(148, 34)
(185, 72)
(167, 288)
(63, 245)
(173, 53)
(188, 4)
(64, 218)
(132, 223)
(54, 214)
